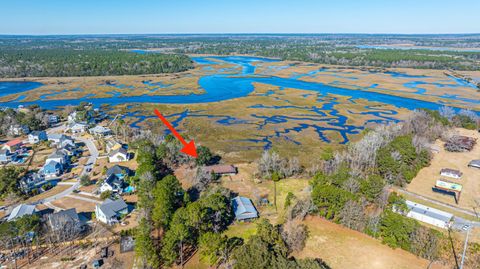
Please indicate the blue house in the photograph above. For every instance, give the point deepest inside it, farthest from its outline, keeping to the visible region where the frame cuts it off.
(52, 169)
(244, 209)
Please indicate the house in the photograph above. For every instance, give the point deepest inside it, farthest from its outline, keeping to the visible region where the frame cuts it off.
(244, 209)
(119, 171)
(20, 211)
(65, 219)
(112, 183)
(78, 128)
(31, 181)
(37, 136)
(429, 215)
(53, 119)
(6, 156)
(13, 145)
(60, 140)
(110, 211)
(100, 131)
(72, 117)
(112, 145)
(221, 169)
(118, 155)
(58, 156)
(70, 150)
(52, 169)
(474, 164)
(447, 172)
(16, 130)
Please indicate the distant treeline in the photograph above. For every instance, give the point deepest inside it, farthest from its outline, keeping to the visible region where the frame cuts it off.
(68, 62)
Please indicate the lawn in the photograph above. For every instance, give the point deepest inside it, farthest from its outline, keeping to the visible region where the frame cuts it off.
(55, 190)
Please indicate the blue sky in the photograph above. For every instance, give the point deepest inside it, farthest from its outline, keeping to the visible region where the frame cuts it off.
(238, 16)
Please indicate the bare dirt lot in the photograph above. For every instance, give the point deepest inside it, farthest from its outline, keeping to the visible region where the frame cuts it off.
(422, 184)
(340, 247)
(79, 205)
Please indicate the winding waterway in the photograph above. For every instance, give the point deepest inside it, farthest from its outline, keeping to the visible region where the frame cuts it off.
(220, 87)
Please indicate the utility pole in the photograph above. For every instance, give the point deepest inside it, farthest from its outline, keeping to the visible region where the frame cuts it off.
(465, 248)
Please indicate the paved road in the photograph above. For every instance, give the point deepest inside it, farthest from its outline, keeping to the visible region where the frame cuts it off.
(93, 153)
(458, 222)
(91, 160)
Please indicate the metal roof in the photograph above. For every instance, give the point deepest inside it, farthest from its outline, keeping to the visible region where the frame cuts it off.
(430, 212)
(243, 208)
(20, 211)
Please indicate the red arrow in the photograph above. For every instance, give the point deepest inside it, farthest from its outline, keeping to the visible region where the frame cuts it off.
(188, 148)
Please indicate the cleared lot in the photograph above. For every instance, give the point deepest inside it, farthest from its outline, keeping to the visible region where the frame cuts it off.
(422, 184)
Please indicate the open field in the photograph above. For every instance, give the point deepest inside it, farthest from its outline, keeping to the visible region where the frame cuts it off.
(340, 247)
(426, 178)
(79, 205)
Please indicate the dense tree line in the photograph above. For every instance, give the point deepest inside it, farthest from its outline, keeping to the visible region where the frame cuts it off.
(9, 178)
(339, 49)
(32, 117)
(64, 63)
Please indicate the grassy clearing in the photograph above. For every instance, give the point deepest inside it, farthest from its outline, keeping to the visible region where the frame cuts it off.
(55, 190)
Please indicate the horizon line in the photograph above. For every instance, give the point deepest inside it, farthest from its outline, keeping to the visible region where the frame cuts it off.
(233, 33)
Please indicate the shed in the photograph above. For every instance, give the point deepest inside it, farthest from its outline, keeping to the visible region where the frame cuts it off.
(221, 169)
(474, 164)
(447, 172)
(244, 208)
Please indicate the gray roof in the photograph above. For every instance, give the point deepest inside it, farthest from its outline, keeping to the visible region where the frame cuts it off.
(20, 211)
(430, 212)
(474, 163)
(110, 208)
(244, 208)
(62, 218)
(57, 154)
(114, 181)
(117, 169)
(120, 150)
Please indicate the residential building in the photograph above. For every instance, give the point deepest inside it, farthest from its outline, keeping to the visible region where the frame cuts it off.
(112, 145)
(100, 131)
(53, 119)
(13, 145)
(6, 156)
(244, 209)
(65, 219)
(58, 156)
(110, 211)
(20, 211)
(112, 183)
(60, 140)
(447, 172)
(118, 171)
(119, 155)
(429, 215)
(52, 169)
(32, 181)
(78, 128)
(16, 130)
(221, 169)
(37, 136)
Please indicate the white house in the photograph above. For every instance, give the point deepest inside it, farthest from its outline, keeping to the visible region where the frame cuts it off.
(429, 215)
(60, 140)
(5, 156)
(111, 145)
(110, 211)
(100, 131)
(119, 155)
(78, 128)
(37, 136)
(58, 156)
(447, 172)
(15, 130)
